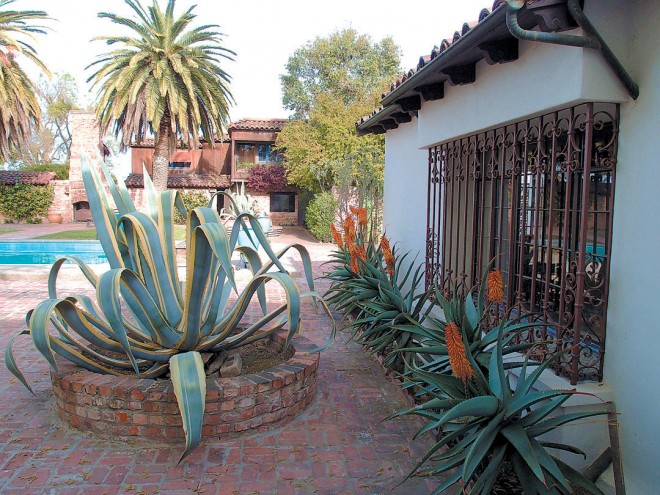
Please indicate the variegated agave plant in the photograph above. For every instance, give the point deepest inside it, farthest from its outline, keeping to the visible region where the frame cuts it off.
(143, 311)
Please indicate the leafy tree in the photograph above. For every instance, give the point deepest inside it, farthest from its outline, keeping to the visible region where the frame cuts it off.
(19, 109)
(164, 79)
(51, 141)
(346, 65)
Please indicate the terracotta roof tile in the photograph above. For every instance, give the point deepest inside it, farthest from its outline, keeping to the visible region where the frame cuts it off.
(9, 178)
(192, 181)
(258, 124)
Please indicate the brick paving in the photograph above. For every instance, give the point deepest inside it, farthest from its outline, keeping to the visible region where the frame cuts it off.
(339, 445)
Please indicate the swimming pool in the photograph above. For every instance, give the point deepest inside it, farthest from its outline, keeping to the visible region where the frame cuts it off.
(47, 252)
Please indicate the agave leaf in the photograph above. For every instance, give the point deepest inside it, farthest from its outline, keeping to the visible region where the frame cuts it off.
(149, 255)
(55, 269)
(104, 216)
(150, 195)
(120, 195)
(519, 440)
(10, 363)
(108, 297)
(39, 324)
(189, 383)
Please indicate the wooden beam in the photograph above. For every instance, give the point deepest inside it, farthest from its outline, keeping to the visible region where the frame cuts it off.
(410, 103)
(461, 74)
(378, 129)
(401, 117)
(500, 51)
(432, 92)
(389, 124)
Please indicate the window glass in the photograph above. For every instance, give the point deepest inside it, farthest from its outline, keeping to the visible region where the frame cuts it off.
(282, 202)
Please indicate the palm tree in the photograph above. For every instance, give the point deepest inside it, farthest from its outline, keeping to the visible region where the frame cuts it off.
(19, 109)
(162, 80)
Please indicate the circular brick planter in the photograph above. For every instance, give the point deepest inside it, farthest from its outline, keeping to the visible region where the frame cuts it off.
(125, 408)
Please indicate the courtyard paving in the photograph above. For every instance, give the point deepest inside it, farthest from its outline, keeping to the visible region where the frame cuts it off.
(339, 445)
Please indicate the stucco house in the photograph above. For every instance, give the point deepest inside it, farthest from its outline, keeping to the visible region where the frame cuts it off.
(249, 143)
(529, 137)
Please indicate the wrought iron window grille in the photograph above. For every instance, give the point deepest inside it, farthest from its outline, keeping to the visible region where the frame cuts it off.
(535, 196)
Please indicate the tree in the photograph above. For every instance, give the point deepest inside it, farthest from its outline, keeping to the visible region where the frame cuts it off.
(330, 84)
(346, 65)
(163, 80)
(58, 97)
(51, 141)
(19, 109)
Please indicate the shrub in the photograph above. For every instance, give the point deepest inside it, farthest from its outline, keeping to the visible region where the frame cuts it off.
(60, 169)
(191, 200)
(320, 215)
(266, 177)
(25, 202)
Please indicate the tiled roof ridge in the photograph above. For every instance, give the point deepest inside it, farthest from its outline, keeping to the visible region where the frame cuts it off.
(11, 177)
(437, 50)
(193, 181)
(259, 123)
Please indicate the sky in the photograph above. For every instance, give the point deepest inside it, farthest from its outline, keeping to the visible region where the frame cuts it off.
(263, 33)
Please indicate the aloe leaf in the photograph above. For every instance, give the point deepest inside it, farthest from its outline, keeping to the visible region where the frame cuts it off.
(519, 440)
(554, 422)
(482, 446)
(577, 478)
(189, 383)
(484, 483)
(10, 363)
(549, 465)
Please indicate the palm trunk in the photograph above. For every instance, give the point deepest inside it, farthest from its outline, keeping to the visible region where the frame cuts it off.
(161, 161)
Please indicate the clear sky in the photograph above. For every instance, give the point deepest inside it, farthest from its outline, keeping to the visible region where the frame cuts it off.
(263, 33)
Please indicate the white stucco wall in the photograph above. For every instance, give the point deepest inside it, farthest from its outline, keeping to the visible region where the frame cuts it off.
(633, 320)
(548, 77)
(404, 204)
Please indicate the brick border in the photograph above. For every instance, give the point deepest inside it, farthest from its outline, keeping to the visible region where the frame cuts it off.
(126, 408)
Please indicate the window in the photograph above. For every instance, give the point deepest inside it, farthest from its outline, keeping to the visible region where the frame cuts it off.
(267, 154)
(283, 202)
(537, 197)
(178, 165)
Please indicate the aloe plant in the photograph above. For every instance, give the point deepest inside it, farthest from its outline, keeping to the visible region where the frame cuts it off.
(479, 432)
(157, 322)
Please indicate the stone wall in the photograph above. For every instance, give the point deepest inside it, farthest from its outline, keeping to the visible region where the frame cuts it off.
(61, 200)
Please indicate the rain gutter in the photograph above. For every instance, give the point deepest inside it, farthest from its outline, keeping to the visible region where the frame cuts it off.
(591, 39)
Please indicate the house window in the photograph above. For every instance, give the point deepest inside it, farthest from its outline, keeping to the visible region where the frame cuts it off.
(283, 202)
(267, 154)
(536, 197)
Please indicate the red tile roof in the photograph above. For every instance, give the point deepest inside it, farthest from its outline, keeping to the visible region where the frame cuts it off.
(192, 181)
(258, 125)
(10, 178)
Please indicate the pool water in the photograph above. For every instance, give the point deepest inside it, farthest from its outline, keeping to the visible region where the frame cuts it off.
(47, 252)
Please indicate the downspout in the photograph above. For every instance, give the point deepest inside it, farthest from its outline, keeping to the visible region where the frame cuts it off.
(591, 39)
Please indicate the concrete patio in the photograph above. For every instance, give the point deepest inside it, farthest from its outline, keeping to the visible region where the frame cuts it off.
(339, 445)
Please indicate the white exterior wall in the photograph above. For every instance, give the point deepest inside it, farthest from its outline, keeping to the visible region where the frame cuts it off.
(404, 203)
(633, 318)
(544, 78)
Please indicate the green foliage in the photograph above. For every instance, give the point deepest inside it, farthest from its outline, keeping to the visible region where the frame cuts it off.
(494, 422)
(330, 84)
(346, 65)
(146, 320)
(166, 78)
(19, 109)
(191, 200)
(320, 214)
(25, 202)
(60, 169)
